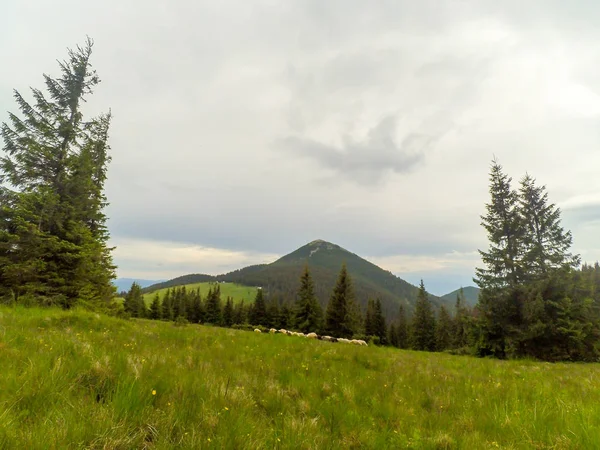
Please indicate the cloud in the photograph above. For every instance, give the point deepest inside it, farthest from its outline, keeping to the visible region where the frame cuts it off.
(172, 259)
(366, 161)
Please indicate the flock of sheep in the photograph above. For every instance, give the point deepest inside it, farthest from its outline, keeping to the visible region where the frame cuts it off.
(316, 336)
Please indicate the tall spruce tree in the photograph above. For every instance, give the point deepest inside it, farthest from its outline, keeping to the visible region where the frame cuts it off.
(258, 311)
(505, 232)
(402, 332)
(461, 323)
(155, 308)
(370, 318)
(546, 244)
(443, 330)
(53, 234)
(308, 314)
(228, 312)
(423, 324)
(339, 320)
(213, 311)
(134, 302)
(167, 306)
(380, 325)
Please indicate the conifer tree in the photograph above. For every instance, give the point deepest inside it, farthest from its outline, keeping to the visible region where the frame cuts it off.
(286, 316)
(546, 244)
(393, 335)
(443, 330)
(155, 308)
(213, 311)
(380, 327)
(239, 314)
(505, 232)
(423, 325)
(370, 318)
(273, 313)
(258, 311)
(308, 315)
(134, 301)
(53, 234)
(402, 328)
(461, 324)
(338, 321)
(196, 314)
(228, 313)
(167, 306)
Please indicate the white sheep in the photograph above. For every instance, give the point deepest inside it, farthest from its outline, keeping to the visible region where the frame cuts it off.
(283, 331)
(272, 330)
(344, 340)
(256, 330)
(312, 335)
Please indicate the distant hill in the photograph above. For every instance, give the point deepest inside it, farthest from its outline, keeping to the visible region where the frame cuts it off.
(471, 295)
(281, 278)
(124, 284)
(236, 291)
(179, 281)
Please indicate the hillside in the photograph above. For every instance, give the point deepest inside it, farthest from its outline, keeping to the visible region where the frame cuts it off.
(471, 294)
(280, 278)
(236, 291)
(124, 384)
(124, 284)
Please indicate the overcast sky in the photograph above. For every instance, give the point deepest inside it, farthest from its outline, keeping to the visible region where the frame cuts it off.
(245, 129)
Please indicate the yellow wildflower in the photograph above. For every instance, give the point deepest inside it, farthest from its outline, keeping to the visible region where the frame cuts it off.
(153, 391)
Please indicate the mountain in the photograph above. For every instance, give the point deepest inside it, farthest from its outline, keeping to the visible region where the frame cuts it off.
(281, 278)
(124, 284)
(471, 294)
(179, 281)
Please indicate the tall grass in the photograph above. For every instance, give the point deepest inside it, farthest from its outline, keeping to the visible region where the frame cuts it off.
(81, 380)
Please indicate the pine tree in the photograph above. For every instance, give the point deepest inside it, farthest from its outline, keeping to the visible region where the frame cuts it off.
(308, 314)
(423, 325)
(402, 328)
(167, 306)
(228, 313)
(286, 316)
(370, 318)
(134, 301)
(240, 315)
(339, 321)
(393, 335)
(546, 244)
(213, 311)
(443, 330)
(380, 326)
(53, 234)
(155, 308)
(505, 231)
(258, 311)
(461, 324)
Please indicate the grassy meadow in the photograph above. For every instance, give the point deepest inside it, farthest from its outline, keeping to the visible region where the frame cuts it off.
(236, 291)
(81, 380)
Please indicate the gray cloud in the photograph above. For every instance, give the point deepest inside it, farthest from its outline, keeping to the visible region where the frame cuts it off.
(366, 161)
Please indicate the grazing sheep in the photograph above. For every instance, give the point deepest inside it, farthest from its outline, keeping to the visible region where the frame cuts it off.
(272, 330)
(256, 330)
(344, 340)
(282, 331)
(361, 342)
(312, 335)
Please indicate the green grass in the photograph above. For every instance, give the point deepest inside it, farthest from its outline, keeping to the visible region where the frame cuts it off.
(82, 380)
(235, 291)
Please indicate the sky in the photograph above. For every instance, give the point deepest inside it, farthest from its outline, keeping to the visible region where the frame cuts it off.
(243, 130)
